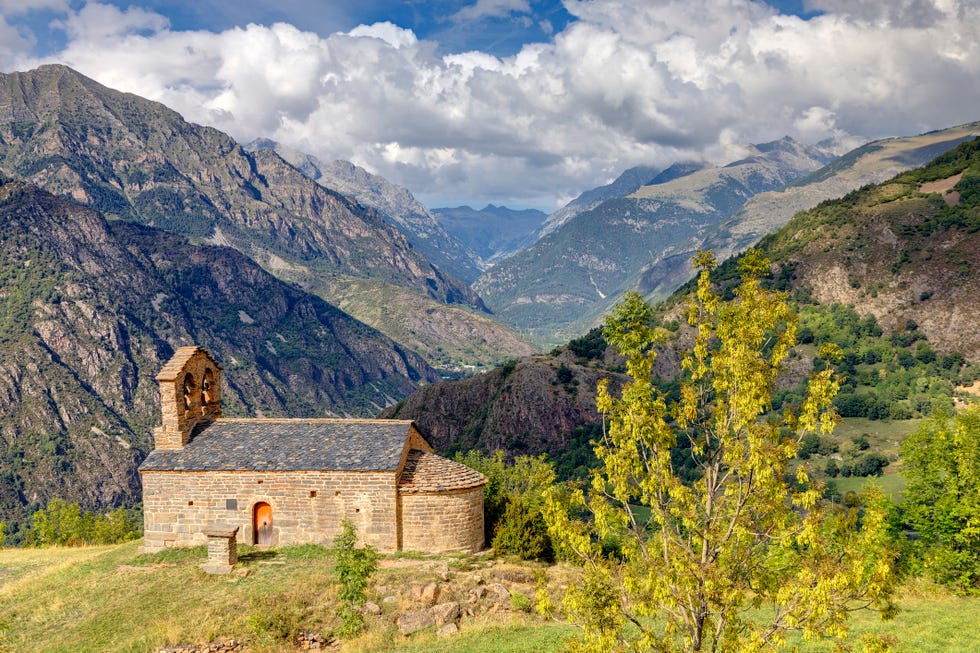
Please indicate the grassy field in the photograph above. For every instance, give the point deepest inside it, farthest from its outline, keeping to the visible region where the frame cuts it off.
(884, 437)
(114, 599)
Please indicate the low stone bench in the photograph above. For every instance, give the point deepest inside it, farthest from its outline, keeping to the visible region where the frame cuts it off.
(222, 548)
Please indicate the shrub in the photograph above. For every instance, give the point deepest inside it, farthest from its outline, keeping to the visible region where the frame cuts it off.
(564, 374)
(871, 464)
(523, 532)
(525, 481)
(66, 524)
(591, 346)
(831, 469)
(519, 602)
(278, 617)
(353, 570)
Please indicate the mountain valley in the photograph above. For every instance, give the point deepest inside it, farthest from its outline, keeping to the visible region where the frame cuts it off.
(561, 285)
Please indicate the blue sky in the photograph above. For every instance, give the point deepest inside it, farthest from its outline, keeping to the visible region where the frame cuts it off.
(522, 102)
(495, 32)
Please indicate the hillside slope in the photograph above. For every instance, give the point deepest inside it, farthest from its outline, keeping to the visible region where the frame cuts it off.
(529, 406)
(627, 182)
(558, 287)
(904, 250)
(396, 204)
(91, 310)
(452, 337)
(872, 163)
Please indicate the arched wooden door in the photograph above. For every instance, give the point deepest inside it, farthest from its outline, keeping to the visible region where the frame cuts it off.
(262, 523)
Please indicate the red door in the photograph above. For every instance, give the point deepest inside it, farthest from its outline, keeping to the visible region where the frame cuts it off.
(263, 523)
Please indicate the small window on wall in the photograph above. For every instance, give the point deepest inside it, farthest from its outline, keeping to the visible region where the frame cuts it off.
(313, 494)
(231, 504)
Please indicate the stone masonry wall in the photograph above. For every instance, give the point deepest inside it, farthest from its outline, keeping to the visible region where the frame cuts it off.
(190, 393)
(443, 522)
(306, 506)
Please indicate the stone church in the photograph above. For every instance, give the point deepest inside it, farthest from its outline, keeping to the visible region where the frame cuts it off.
(288, 481)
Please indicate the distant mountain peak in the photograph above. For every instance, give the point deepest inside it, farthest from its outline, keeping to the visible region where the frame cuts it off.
(676, 171)
(493, 232)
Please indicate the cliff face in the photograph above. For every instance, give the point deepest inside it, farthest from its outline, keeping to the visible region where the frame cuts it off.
(529, 406)
(137, 160)
(91, 310)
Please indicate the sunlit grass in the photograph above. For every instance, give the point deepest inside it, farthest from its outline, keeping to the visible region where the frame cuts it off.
(112, 598)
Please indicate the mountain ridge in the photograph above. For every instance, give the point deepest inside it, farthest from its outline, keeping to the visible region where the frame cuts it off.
(872, 162)
(396, 203)
(557, 288)
(140, 161)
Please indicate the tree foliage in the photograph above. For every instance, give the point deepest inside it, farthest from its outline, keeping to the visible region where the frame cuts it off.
(737, 557)
(66, 524)
(512, 502)
(942, 501)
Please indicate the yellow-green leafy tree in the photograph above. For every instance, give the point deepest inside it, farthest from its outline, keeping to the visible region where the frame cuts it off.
(740, 556)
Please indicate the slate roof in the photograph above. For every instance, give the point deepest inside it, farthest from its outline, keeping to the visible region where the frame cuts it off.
(288, 445)
(427, 472)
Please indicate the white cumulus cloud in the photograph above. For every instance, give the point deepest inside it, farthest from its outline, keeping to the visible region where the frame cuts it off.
(626, 83)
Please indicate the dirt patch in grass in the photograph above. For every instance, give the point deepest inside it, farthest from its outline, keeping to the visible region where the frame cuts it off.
(943, 187)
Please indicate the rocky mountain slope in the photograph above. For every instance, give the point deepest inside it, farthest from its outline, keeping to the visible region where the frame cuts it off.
(396, 204)
(535, 405)
(452, 339)
(764, 213)
(558, 287)
(90, 310)
(493, 232)
(906, 251)
(623, 185)
(137, 160)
